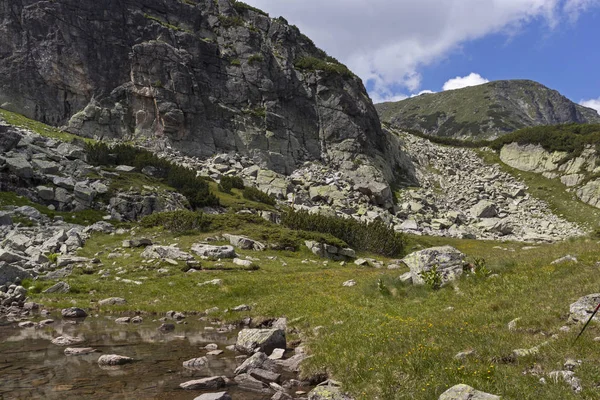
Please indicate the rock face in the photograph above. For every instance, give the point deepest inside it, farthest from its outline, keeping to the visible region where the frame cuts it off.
(203, 77)
(448, 261)
(485, 111)
(464, 392)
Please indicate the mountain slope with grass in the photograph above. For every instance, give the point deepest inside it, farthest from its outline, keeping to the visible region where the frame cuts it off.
(485, 111)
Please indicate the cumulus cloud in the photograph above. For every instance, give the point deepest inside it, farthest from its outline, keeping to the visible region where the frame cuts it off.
(460, 82)
(387, 42)
(592, 103)
(427, 91)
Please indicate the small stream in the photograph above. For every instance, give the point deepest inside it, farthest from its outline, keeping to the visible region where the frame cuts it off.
(32, 367)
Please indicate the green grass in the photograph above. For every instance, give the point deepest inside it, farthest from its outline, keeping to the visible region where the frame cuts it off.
(381, 338)
(39, 127)
(553, 192)
(85, 217)
(236, 201)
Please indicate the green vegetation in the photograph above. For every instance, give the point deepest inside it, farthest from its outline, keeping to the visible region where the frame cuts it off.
(374, 237)
(166, 24)
(255, 58)
(230, 182)
(259, 112)
(252, 193)
(38, 127)
(242, 7)
(230, 22)
(235, 61)
(330, 65)
(194, 188)
(85, 217)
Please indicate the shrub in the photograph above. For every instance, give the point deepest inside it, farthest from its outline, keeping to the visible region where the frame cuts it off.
(310, 63)
(53, 257)
(375, 237)
(432, 278)
(255, 58)
(252, 193)
(231, 182)
(242, 7)
(194, 188)
(229, 22)
(179, 221)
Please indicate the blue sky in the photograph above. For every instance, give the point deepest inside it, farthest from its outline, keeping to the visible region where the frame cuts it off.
(402, 47)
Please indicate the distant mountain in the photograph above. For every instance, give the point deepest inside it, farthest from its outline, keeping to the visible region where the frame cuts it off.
(485, 111)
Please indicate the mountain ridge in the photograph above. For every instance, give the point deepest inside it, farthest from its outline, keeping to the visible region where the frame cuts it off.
(485, 111)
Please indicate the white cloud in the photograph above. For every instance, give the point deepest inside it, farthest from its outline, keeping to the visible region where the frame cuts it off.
(387, 42)
(592, 103)
(427, 91)
(460, 82)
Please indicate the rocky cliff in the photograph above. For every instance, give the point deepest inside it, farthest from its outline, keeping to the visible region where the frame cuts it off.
(200, 76)
(485, 111)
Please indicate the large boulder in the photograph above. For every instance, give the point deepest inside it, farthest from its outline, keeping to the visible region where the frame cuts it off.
(484, 209)
(327, 392)
(263, 340)
(448, 261)
(12, 273)
(207, 250)
(465, 392)
(582, 309)
(244, 243)
(9, 138)
(20, 167)
(170, 252)
(114, 359)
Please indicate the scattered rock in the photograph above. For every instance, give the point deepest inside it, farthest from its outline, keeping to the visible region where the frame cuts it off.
(464, 392)
(196, 363)
(114, 359)
(73, 312)
(582, 309)
(112, 301)
(448, 261)
(213, 382)
(349, 283)
(206, 250)
(78, 351)
(66, 340)
(59, 287)
(244, 242)
(214, 396)
(264, 340)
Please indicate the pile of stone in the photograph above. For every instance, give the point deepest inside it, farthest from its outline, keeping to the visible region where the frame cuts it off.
(462, 196)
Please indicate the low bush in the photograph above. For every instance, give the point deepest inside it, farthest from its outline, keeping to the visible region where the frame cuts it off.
(375, 237)
(194, 188)
(242, 7)
(310, 63)
(252, 193)
(179, 221)
(231, 182)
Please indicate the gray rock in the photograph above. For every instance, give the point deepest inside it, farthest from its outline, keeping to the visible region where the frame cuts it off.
(244, 242)
(582, 309)
(73, 312)
(246, 382)
(170, 252)
(264, 340)
(9, 138)
(464, 392)
(29, 212)
(213, 382)
(59, 287)
(12, 273)
(114, 359)
(100, 226)
(264, 375)
(256, 360)
(5, 219)
(63, 261)
(196, 363)
(112, 301)
(349, 283)
(206, 250)
(45, 193)
(66, 340)
(20, 167)
(448, 261)
(484, 209)
(214, 396)
(327, 393)
(78, 351)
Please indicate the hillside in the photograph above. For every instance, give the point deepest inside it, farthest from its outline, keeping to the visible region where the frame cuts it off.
(201, 77)
(485, 111)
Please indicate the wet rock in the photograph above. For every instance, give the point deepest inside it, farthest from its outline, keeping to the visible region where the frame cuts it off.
(196, 363)
(73, 312)
(246, 382)
(206, 250)
(78, 351)
(166, 328)
(112, 301)
(264, 340)
(257, 360)
(448, 261)
(464, 392)
(27, 324)
(264, 375)
(66, 340)
(213, 382)
(114, 359)
(214, 396)
(59, 287)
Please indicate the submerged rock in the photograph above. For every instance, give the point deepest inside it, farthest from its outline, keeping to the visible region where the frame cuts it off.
(213, 382)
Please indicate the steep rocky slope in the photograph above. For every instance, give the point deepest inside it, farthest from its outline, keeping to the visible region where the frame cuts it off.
(201, 76)
(485, 111)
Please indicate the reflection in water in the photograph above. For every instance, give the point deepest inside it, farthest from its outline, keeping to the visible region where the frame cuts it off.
(32, 367)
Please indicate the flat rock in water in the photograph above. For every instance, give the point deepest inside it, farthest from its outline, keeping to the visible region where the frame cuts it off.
(214, 396)
(73, 312)
(257, 360)
(114, 359)
(264, 340)
(196, 363)
(27, 324)
(78, 351)
(12, 273)
(465, 392)
(213, 382)
(66, 340)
